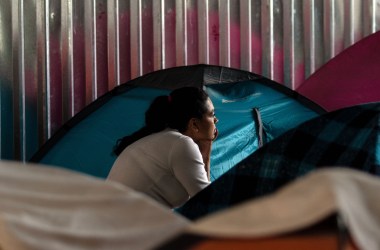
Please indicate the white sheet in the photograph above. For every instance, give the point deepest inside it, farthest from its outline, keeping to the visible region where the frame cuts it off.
(51, 208)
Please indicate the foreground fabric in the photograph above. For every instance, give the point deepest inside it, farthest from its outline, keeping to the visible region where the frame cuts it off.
(351, 194)
(50, 208)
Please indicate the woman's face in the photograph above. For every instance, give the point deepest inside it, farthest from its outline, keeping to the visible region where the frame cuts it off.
(206, 125)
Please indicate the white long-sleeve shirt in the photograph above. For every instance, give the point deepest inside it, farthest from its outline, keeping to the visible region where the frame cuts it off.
(166, 166)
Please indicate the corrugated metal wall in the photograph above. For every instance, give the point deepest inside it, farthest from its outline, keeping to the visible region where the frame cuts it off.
(57, 56)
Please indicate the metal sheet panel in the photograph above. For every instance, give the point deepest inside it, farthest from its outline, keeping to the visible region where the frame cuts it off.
(141, 37)
(208, 32)
(25, 77)
(57, 56)
(250, 36)
(187, 34)
(229, 33)
(294, 56)
(6, 80)
(164, 34)
(313, 38)
(73, 58)
(272, 36)
(96, 47)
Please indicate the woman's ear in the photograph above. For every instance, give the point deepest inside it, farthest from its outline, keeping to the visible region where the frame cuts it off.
(193, 125)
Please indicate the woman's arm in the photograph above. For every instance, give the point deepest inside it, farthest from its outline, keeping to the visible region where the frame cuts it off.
(205, 149)
(188, 165)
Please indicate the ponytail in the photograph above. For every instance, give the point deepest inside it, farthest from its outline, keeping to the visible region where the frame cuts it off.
(156, 118)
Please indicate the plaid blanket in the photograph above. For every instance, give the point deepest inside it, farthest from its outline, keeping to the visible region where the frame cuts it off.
(346, 138)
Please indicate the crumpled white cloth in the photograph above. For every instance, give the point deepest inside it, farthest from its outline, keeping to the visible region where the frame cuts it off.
(354, 195)
(51, 208)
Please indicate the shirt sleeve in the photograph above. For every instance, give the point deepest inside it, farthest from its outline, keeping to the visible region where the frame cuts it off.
(188, 167)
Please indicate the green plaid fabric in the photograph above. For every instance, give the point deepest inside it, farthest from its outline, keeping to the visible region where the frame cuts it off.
(346, 138)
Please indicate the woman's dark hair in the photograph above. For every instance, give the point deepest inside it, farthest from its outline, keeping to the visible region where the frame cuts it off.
(173, 111)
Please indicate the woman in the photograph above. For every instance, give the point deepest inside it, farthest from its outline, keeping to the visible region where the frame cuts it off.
(169, 158)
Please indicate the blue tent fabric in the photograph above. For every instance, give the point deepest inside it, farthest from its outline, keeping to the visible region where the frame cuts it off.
(239, 108)
(346, 138)
(251, 110)
(87, 146)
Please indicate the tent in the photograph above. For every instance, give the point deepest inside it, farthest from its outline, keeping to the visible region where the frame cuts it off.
(251, 110)
(347, 137)
(350, 78)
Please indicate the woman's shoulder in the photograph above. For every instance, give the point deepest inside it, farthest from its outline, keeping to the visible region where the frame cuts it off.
(174, 136)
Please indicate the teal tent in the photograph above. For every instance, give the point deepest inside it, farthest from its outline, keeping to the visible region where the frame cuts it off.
(252, 110)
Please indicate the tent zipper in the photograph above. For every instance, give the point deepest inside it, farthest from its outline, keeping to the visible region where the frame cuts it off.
(260, 133)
